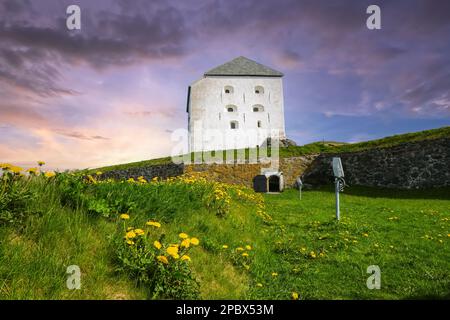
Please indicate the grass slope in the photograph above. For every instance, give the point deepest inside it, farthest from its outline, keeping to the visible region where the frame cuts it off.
(316, 147)
(301, 250)
(34, 256)
(405, 233)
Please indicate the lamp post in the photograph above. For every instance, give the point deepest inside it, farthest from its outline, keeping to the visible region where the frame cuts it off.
(339, 183)
(300, 185)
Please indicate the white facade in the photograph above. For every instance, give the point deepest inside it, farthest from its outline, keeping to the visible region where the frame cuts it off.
(234, 112)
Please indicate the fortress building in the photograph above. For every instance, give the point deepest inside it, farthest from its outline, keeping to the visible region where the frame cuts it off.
(236, 105)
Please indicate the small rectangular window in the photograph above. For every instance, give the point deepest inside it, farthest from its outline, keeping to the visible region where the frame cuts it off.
(259, 123)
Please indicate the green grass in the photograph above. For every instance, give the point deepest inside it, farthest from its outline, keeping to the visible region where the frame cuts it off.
(311, 148)
(416, 266)
(35, 254)
(138, 164)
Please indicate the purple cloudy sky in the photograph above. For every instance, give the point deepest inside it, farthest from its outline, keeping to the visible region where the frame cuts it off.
(114, 91)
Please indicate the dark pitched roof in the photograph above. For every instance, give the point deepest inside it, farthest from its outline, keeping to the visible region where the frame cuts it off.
(243, 66)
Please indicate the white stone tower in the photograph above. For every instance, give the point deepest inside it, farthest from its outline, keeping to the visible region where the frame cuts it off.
(236, 105)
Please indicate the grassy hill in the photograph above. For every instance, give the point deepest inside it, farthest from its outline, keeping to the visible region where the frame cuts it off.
(251, 246)
(316, 147)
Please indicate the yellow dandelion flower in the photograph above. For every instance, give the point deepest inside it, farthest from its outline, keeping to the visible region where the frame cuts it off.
(162, 259)
(294, 295)
(185, 257)
(173, 251)
(32, 170)
(248, 247)
(16, 170)
(130, 235)
(124, 216)
(5, 166)
(225, 246)
(195, 241)
(183, 235)
(312, 254)
(50, 174)
(259, 285)
(245, 254)
(139, 232)
(40, 163)
(185, 243)
(154, 224)
(274, 274)
(365, 235)
(157, 244)
(130, 242)
(130, 180)
(239, 249)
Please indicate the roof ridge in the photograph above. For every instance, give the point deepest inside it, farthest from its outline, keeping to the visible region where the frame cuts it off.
(243, 66)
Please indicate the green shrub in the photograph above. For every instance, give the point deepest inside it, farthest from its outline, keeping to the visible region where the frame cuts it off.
(15, 197)
(163, 269)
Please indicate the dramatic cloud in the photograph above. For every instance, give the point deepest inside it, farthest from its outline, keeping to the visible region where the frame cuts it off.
(115, 90)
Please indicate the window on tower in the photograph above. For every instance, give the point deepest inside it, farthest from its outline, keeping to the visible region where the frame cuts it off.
(258, 108)
(231, 108)
(259, 90)
(259, 124)
(228, 89)
(234, 125)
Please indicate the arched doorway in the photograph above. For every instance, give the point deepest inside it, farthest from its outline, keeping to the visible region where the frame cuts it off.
(260, 183)
(274, 183)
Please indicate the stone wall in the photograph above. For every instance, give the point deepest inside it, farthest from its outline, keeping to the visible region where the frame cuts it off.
(149, 172)
(244, 173)
(419, 164)
(229, 173)
(410, 165)
(295, 167)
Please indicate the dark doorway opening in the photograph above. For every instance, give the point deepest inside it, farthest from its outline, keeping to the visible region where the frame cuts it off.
(274, 184)
(260, 183)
